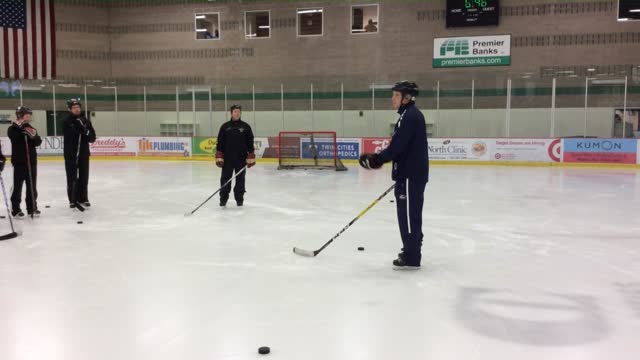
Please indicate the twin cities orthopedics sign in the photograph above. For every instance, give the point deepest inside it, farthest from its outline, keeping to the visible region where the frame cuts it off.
(468, 51)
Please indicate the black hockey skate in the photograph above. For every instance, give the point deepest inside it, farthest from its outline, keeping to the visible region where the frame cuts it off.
(17, 214)
(35, 213)
(223, 200)
(402, 264)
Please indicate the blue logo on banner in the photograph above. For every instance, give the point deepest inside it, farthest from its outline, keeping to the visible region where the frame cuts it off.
(600, 145)
(324, 150)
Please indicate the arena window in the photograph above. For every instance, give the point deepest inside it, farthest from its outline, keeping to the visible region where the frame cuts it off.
(207, 26)
(257, 24)
(365, 19)
(310, 21)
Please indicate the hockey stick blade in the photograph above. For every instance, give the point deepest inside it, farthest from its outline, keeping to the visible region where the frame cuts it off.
(303, 252)
(316, 252)
(80, 207)
(12, 235)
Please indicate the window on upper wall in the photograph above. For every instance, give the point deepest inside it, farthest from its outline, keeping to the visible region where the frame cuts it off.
(365, 19)
(628, 10)
(207, 26)
(310, 22)
(257, 24)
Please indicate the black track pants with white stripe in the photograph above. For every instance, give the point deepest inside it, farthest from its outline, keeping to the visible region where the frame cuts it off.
(409, 201)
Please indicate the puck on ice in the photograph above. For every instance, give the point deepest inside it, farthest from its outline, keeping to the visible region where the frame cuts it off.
(360, 248)
(391, 201)
(3, 217)
(47, 206)
(264, 350)
(79, 222)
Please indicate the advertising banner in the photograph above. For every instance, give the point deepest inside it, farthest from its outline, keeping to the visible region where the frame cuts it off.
(459, 149)
(348, 149)
(260, 144)
(164, 146)
(6, 146)
(374, 145)
(538, 150)
(51, 146)
(617, 151)
(492, 50)
(114, 146)
(204, 146)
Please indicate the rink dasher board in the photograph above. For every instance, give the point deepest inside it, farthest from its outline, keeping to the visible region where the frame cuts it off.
(447, 151)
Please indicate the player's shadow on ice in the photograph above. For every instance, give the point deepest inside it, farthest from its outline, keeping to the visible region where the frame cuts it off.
(631, 294)
(532, 318)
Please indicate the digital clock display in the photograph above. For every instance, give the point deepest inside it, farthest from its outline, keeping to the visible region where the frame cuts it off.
(462, 13)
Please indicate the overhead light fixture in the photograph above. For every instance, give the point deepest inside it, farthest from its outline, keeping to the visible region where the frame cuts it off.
(263, 27)
(591, 70)
(635, 10)
(608, 82)
(623, 19)
(32, 88)
(380, 87)
(201, 30)
(310, 11)
(201, 16)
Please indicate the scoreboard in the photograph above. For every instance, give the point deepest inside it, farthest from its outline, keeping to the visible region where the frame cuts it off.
(461, 13)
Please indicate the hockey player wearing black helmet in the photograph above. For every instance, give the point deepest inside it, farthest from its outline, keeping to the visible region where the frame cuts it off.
(78, 133)
(408, 152)
(234, 151)
(24, 140)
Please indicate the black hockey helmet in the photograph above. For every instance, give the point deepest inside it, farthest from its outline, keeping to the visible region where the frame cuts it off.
(72, 102)
(406, 88)
(22, 111)
(235, 106)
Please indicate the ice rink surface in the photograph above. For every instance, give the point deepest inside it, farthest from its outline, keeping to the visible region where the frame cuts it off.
(519, 263)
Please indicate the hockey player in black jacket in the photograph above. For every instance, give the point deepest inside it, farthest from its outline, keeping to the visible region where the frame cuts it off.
(408, 151)
(78, 130)
(24, 139)
(233, 152)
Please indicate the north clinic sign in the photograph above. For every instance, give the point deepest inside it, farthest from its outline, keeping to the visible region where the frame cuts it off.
(468, 51)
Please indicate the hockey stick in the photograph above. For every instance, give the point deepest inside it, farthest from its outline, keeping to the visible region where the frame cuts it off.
(13, 233)
(33, 194)
(217, 191)
(311, 253)
(74, 187)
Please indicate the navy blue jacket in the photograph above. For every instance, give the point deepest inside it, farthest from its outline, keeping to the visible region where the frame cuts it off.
(408, 149)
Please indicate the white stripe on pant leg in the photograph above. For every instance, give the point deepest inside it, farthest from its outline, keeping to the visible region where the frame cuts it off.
(408, 217)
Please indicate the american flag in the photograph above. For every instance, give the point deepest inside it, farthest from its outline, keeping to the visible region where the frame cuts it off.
(27, 39)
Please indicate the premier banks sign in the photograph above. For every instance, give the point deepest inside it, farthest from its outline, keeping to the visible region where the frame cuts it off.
(493, 50)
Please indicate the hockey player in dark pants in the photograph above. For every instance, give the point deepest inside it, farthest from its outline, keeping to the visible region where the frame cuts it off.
(233, 152)
(77, 129)
(24, 139)
(408, 151)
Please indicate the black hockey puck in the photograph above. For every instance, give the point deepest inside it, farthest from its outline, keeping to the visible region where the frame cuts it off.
(4, 217)
(264, 350)
(360, 248)
(47, 206)
(391, 201)
(80, 222)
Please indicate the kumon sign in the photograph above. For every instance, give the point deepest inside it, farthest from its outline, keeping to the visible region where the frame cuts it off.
(468, 51)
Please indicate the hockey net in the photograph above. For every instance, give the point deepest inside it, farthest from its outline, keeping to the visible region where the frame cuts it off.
(308, 150)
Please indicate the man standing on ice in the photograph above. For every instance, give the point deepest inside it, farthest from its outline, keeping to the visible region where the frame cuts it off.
(78, 133)
(234, 151)
(408, 151)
